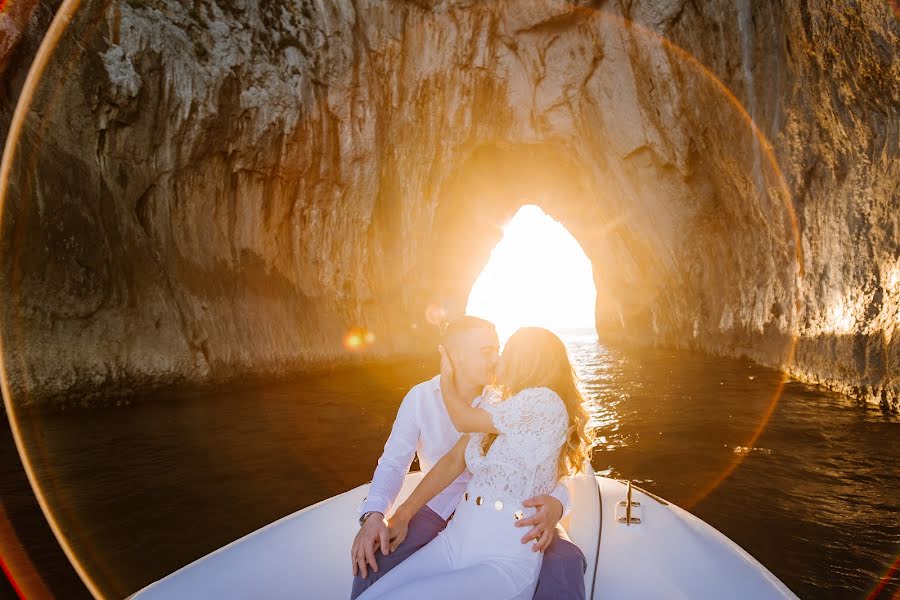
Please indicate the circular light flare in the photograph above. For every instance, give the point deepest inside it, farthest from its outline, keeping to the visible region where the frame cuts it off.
(58, 26)
(780, 184)
(60, 23)
(358, 339)
(884, 581)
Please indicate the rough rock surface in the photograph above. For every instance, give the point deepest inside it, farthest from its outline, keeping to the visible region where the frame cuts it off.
(208, 189)
(22, 27)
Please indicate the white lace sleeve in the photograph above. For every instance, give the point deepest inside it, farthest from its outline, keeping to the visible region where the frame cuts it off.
(535, 421)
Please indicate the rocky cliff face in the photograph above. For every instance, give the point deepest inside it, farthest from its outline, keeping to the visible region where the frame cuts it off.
(204, 189)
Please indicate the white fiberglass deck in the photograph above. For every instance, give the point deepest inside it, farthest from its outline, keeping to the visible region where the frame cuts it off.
(670, 554)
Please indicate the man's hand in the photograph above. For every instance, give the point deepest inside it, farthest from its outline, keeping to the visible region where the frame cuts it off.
(373, 532)
(543, 522)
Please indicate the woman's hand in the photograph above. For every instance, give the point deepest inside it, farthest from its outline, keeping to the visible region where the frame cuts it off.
(398, 525)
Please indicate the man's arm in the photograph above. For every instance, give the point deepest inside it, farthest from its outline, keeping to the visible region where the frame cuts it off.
(439, 477)
(394, 463)
(550, 510)
(386, 483)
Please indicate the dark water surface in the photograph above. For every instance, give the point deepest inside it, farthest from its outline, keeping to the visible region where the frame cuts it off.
(143, 489)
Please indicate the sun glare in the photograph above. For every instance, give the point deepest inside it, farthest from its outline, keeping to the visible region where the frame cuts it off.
(537, 275)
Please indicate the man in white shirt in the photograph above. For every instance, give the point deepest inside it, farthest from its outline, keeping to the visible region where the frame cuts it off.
(424, 428)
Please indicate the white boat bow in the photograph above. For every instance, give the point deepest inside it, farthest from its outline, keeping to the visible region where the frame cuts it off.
(661, 552)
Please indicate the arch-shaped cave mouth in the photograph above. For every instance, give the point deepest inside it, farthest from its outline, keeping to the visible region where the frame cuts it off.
(537, 274)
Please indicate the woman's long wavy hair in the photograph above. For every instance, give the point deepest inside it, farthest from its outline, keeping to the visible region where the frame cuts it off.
(536, 357)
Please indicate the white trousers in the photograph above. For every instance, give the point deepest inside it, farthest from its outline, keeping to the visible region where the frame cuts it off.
(479, 555)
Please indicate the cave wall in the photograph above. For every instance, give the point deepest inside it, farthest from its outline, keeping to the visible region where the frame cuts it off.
(204, 190)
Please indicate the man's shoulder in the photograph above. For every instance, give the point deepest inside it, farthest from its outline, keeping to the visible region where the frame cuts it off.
(424, 390)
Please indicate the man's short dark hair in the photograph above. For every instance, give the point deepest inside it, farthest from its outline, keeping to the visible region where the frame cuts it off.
(463, 324)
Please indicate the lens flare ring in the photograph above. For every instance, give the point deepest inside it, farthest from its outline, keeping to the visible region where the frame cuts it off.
(60, 23)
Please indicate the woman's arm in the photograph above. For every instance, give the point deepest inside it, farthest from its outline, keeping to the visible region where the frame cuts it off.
(466, 418)
(439, 477)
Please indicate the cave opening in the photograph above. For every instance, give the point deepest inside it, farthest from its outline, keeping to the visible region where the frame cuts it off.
(537, 275)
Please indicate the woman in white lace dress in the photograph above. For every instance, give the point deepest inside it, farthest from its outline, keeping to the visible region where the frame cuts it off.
(519, 440)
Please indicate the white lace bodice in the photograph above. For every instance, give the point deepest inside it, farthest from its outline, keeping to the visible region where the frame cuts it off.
(522, 461)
